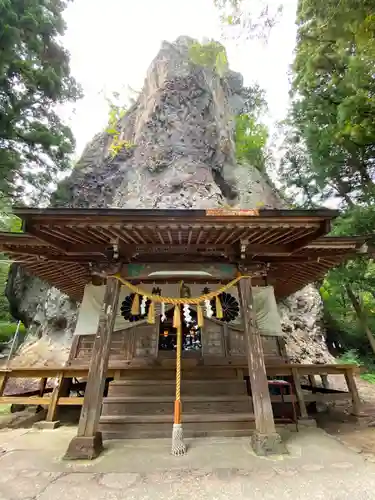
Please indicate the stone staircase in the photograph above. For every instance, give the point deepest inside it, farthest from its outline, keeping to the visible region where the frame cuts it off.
(140, 408)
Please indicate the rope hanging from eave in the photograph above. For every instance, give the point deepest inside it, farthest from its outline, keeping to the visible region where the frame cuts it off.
(175, 300)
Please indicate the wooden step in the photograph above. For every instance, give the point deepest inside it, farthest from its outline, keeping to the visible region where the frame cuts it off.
(166, 398)
(148, 405)
(189, 417)
(127, 382)
(190, 431)
(160, 426)
(167, 387)
(196, 373)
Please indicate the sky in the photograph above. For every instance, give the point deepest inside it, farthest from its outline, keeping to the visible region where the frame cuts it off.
(112, 43)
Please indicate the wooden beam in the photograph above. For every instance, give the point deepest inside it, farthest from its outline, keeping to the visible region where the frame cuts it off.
(265, 440)
(323, 229)
(88, 442)
(60, 389)
(50, 239)
(146, 270)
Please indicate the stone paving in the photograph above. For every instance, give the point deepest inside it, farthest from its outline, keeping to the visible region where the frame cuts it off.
(317, 467)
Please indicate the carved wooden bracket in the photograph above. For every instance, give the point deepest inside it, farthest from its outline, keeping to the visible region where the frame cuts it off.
(256, 269)
(104, 269)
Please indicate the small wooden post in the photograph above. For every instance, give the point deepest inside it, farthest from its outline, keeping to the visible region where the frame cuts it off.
(312, 383)
(299, 394)
(325, 381)
(352, 386)
(42, 386)
(88, 442)
(73, 350)
(265, 440)
(61, 388)
(4, 375)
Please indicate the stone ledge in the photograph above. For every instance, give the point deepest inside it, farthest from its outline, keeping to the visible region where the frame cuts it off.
(46, 424)
(306, 422)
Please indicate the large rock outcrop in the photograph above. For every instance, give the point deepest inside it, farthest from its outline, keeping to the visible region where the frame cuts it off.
(179, 153)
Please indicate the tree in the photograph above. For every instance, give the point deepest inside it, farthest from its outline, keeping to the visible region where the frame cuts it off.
(34, 77)
(329, 148)
(333, 95)
(248, 18)
(250, 140)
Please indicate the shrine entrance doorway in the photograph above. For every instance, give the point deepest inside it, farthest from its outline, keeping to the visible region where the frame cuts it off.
(191, 336)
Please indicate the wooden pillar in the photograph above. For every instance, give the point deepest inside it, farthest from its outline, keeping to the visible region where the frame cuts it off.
(88, 442)
(265, 439)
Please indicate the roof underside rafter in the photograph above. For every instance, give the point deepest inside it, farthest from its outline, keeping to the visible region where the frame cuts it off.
(60, 245)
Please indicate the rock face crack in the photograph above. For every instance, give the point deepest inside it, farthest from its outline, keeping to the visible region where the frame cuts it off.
(181, 155)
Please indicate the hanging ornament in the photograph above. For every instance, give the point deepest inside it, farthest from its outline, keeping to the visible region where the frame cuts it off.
(187, 316)
(135, 304)
(230, 308)
(209, 311)
(185, 292)
(200, 319)
(162, 312)
(143, 305)
(126, 309)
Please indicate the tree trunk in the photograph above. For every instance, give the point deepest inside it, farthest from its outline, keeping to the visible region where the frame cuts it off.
(361, 316)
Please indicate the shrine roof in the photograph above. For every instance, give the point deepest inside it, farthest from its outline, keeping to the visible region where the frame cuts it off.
(61, 245)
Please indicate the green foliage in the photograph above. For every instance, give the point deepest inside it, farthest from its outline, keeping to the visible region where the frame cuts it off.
(210, 55)
(4, 305)
(7, 331)
(248, 19)
(34, 77)
(329, 145)
(8, 222)
(250, 140)
(353, 357)
(116, 114)
(350, 357)
(333, 97)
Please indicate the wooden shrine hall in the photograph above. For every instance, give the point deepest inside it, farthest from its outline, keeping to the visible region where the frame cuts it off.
(178, 329)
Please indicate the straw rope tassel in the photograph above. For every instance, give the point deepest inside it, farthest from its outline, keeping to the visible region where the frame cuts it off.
(219, 308)
(135, 305)
(151, 313)
(200, 318)
(178, 446)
